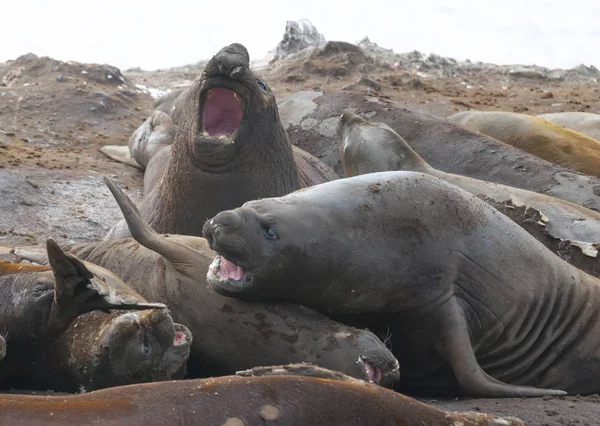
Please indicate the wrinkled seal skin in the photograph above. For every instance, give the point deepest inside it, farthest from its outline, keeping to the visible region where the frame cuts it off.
(537, 136)
(582, 122)
(284, 397)
(313, 116)
(264, 334)
(370, 147)
(474, 303)
(201, 175)
(45, 311)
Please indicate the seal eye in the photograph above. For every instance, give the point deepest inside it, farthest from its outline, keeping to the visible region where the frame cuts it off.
(262, 85)
(146, 348)
(270, 233)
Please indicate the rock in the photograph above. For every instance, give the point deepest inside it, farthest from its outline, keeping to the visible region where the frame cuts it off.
(366, 82)
(299, 35)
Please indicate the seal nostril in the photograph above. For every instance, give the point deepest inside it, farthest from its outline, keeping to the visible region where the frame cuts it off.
(236, 71)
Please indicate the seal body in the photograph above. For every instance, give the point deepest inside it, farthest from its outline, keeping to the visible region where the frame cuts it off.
(582, 122)
(311, 118)
(59, 340)
(238, 401)
(569, 230)
(537, 136)
(474, 303)
(228, 147)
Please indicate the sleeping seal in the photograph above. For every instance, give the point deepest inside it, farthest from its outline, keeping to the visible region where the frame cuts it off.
(310, 119)
(277, 395)
(475, 304)
(582, 122)
(537, 136)
(369, 147)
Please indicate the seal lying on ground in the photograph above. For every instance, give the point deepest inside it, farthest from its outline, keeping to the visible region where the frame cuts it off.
(474, 303)
(235, 334)
(370, 147)
(537, 136)
(311, 119)
(54, 343)
(230, 147)
(582, 122)
(281, 395)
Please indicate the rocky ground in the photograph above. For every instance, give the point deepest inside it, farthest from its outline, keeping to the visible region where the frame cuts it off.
(54, 117)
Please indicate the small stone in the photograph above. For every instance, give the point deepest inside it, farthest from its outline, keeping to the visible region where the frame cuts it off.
(60, 77)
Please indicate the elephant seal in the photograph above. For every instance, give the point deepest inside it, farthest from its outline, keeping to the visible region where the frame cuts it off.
(278, 395)
(537, 136)
(583, 122)
(370, 147)
(311, 118)
(474, 303)
(229, 147)
(57, 342)
(172, 269)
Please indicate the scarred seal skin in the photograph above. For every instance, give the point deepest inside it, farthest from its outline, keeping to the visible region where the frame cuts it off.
(537, 136)
(228, 147)
(272, 395)
(310, 118)
(172, 269)
(569, 230)
(58, 337)
(474, 303)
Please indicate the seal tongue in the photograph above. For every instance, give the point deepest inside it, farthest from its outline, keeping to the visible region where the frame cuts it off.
(222, 112)
(228, 269)
(180, 337)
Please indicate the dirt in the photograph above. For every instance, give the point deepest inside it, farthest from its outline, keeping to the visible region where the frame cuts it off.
(55, 116)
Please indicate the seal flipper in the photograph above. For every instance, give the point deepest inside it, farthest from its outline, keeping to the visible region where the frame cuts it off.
(122, 154)
(77, 290)
(456, 345)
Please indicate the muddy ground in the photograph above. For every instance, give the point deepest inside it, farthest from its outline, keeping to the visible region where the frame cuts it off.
(54, 117)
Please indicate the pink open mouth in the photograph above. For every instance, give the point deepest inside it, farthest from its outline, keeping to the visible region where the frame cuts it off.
(222, 112)
(180, 338)
(230, 270)
(373, 373)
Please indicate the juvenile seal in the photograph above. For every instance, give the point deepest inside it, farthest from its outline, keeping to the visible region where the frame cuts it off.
(279, 395)
(474, 303)
(173, 269)
(582, 122)
(537, 136)
(370, 147)
(229, 147)
(310, 119)
(56, 343)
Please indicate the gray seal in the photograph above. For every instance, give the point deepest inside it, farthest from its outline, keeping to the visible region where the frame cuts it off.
(474, 303)
(569, 230)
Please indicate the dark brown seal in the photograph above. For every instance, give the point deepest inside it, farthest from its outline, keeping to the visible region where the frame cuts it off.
(474, 303)
(235, 334)
(569, 230)
(54, 342)
(311, 119)
(281, 395)
(229, 147)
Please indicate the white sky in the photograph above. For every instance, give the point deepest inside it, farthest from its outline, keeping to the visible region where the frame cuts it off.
(155, 34)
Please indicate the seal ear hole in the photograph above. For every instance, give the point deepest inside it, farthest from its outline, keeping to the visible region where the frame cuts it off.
(263, 86)
(270, 233)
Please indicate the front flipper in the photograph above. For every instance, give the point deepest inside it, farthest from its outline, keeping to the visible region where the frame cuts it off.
(458, 351)
(121, 154)
(78, 290)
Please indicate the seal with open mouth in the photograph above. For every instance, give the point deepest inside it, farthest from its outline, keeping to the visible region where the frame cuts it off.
(475, 304)
(59, 338)
(229, 147)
